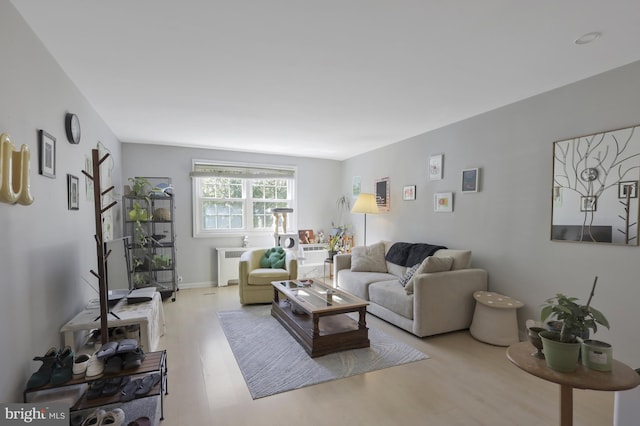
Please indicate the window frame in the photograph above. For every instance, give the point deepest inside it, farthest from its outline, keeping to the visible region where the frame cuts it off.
(247, 199)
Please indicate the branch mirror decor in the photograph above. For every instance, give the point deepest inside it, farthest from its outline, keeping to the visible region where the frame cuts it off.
(595, 188)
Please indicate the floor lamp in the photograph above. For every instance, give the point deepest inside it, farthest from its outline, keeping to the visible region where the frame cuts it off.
(366, 203)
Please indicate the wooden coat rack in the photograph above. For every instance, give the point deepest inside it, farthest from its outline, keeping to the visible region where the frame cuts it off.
(102, 256)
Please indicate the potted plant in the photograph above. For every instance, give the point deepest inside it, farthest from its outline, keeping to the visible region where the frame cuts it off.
(562, 348)
(334, 245)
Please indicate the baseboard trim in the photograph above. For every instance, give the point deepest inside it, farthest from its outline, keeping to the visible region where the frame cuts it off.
(197, 285)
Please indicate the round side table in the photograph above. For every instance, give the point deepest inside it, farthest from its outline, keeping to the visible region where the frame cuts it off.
(494, 319)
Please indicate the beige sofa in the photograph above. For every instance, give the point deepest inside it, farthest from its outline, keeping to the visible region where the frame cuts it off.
(440, 301)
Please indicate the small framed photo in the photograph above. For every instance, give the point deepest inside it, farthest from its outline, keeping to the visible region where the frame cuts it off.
(383, 197)
(409, 193)
(629, 187)
(73, 193)
(470, 180)
(435, 167)
(443, 202)
(306, 236)
(47, 153)
(588, 203)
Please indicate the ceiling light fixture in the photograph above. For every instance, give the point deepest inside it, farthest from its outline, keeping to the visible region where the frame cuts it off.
(587, 38)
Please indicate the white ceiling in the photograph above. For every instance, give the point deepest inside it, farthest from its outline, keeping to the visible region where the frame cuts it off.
(325, 78)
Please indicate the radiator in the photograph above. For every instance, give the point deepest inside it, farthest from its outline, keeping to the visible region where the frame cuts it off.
(228, 261)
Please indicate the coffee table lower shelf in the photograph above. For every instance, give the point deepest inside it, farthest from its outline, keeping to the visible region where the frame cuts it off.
(336, 331)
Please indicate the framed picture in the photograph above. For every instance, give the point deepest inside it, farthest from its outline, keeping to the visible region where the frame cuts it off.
(443, 202)
(306, 236)
(47, 153)
(435, 167)
(382, 194)
(356, 186)
(73, 193)
(628, 187)
(588, 203)
(409, 193)
(470, 180)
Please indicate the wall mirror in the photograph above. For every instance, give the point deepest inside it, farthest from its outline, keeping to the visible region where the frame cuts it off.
(595, 188)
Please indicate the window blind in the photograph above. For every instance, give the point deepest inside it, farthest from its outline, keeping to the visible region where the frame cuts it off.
(202, 169)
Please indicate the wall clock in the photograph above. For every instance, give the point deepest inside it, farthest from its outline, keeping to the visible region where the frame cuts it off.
(72, 125)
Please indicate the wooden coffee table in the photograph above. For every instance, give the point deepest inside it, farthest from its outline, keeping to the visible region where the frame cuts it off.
(315, 315)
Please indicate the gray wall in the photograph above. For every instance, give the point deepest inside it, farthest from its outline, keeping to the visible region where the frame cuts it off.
(46, 251)
(317, 191)
(506, 224)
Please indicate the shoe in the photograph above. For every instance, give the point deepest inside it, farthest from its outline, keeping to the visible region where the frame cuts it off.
(140, 421)
(43, 375)
(80, 365)
(95, 419)
(76, 420)
(114, 417)
(148, 383)
(133, 359)
(95, 368)
(113, 386)
(95, 389)
(113, 365)
(128, 392)
(132, 332)
(63, 368)
(107, 350)
(127, 345)
(118, 333)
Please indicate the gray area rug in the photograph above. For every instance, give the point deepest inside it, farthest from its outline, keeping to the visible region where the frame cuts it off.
(272, 362)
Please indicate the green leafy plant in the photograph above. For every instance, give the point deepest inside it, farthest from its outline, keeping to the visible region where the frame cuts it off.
(576, 319)
(139, 186)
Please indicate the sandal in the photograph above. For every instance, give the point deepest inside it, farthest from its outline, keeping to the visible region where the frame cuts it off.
(95, 389)
(43, 375)
(113, 417)
(112, 386)
(128, 392)
(95, 418)
(107, 350)
(148, 383)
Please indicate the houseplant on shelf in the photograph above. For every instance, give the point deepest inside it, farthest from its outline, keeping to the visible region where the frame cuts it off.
(561, 349)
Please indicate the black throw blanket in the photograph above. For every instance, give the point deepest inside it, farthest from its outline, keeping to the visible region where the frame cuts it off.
(409, 254)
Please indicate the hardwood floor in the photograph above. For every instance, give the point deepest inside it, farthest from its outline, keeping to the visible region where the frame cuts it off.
(465, 382)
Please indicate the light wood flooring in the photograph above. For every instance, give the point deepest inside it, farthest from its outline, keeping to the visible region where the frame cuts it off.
(465, 382)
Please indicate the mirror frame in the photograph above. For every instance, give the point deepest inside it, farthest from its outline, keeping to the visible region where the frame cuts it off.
(597, 176)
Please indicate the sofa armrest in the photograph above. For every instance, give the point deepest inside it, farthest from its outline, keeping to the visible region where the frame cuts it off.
(443, 301)
(340, 261)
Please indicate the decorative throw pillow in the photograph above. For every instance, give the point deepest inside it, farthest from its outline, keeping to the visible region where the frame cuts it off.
(273, 258)
(407, 275)
(368, 258)
(429, 265)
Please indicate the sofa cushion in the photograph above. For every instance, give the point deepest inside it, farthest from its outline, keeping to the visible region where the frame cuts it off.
(392, 296)
(368, 258)
(430, 265)
(357, 283)
(461, 258)
(407, 276)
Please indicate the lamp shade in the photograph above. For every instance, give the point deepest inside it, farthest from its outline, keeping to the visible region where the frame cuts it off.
(366, 203)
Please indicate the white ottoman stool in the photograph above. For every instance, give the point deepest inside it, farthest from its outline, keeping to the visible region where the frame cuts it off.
(494, 319)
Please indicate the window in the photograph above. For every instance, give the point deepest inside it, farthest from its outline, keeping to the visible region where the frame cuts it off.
(231, 198)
